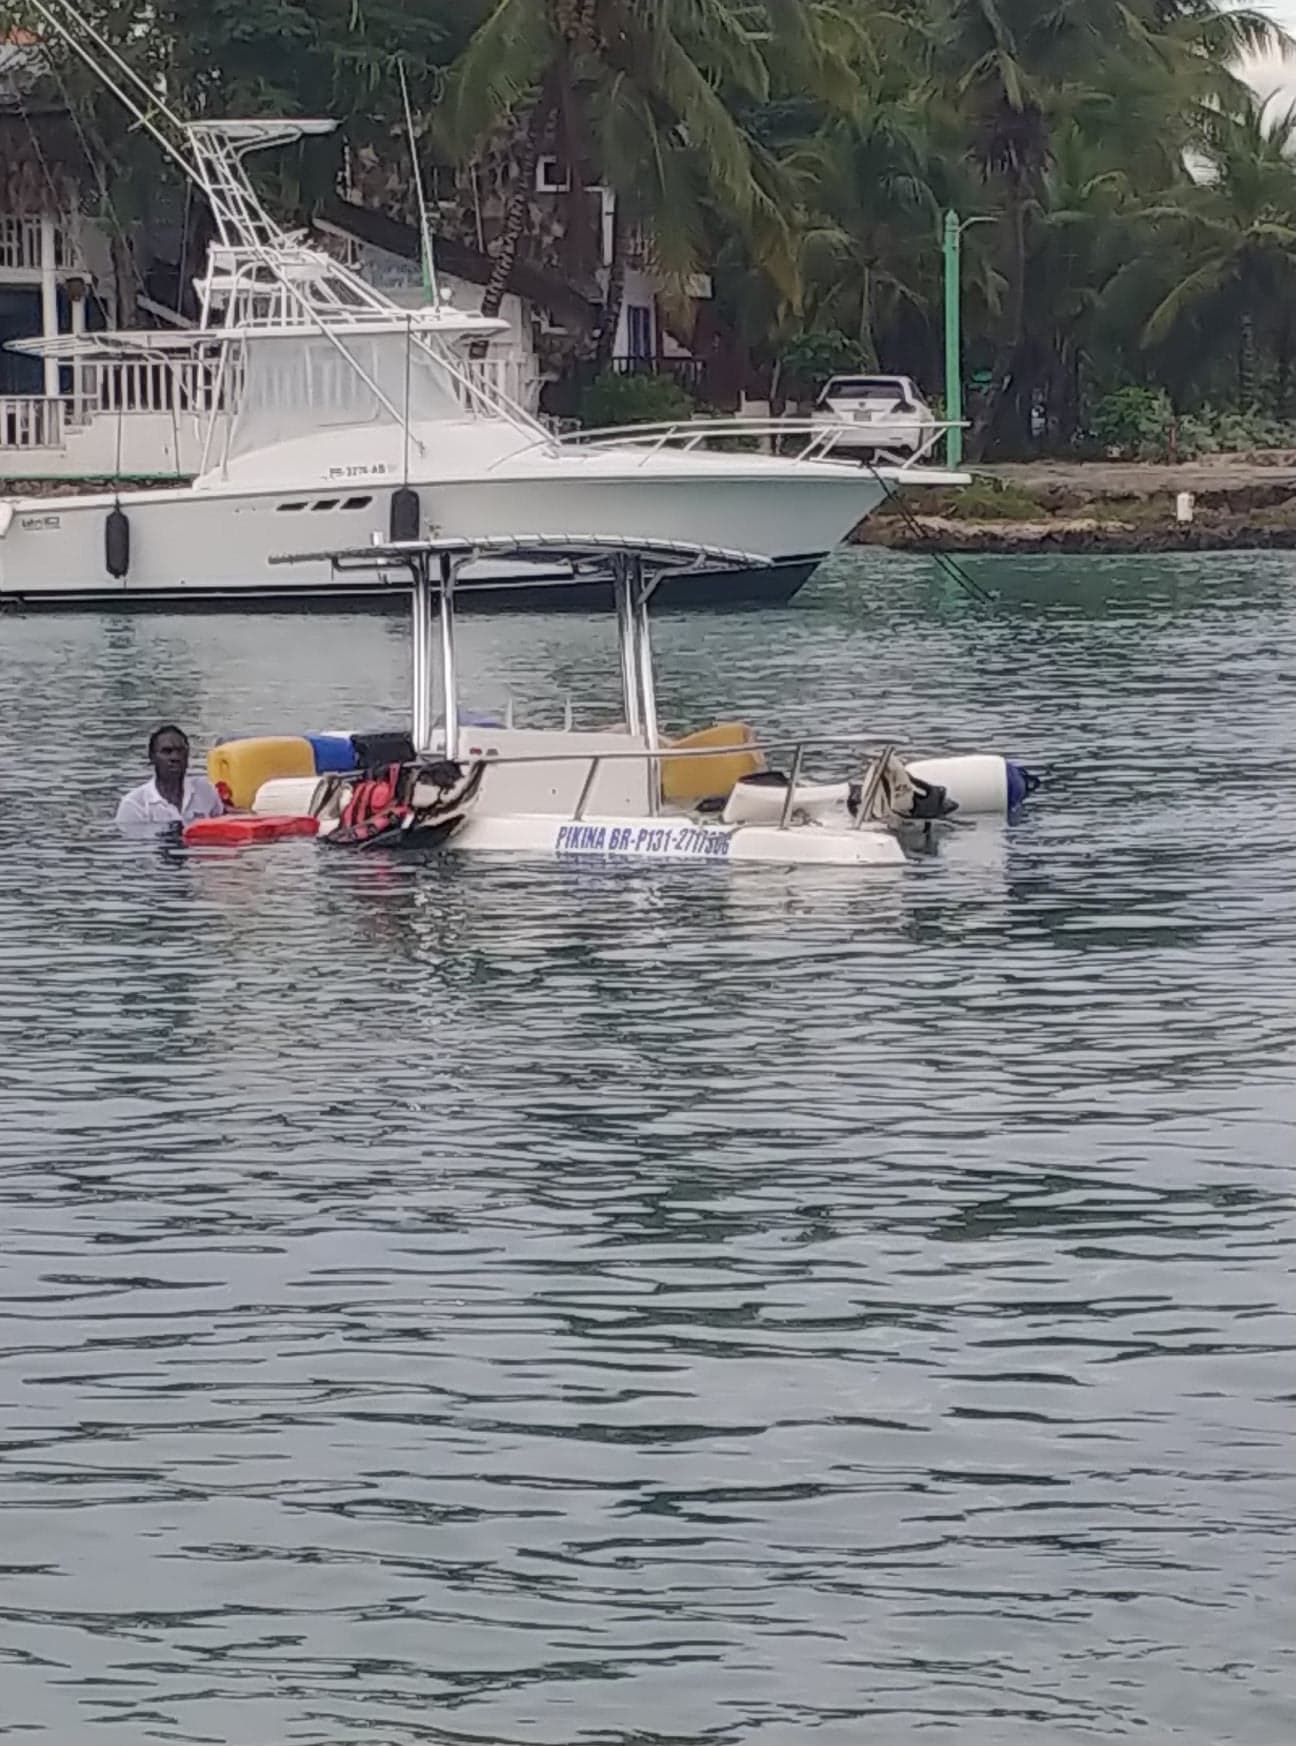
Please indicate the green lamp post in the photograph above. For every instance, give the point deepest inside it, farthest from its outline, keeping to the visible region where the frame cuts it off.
(953, 250)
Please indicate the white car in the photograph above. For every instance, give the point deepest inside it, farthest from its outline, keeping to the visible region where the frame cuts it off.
(891, 416)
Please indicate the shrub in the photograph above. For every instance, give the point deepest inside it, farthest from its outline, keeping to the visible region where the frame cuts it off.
(811, 358)
(1134, 423)
(1195, 435)
(1251, 429)
(615, 399)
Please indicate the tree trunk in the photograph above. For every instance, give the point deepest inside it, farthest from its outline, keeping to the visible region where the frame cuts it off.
(515, 216)
(1246, 361)
(124, 278)
(614, 297)
(867, 341)
(1282, 383)
(777, 396)
(993, 425)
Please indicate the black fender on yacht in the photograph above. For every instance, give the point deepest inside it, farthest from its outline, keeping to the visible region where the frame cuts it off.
(406, 514)
(117, 543)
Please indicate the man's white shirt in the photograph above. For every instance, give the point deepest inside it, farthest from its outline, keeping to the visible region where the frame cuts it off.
(144, 806)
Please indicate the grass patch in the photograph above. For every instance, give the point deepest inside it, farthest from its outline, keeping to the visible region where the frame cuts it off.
(988, 499)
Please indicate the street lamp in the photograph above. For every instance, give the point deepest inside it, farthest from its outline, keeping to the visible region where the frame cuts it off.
(954, 228)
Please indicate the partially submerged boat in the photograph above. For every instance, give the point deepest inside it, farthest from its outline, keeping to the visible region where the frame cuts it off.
(620, 791)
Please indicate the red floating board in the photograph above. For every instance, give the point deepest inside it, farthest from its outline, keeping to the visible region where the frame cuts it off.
(247, 827)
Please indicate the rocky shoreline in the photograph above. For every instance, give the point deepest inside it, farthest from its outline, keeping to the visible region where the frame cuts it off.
(936, 533)
(1240, 503)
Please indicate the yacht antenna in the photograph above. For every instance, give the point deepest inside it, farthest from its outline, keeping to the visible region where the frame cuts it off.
(427, 256)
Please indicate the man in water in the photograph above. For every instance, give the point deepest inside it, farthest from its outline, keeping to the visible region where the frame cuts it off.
(173, 797)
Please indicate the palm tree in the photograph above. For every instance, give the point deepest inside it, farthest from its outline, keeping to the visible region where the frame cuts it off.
(1085, 226)
(1238, 232)
(872, 180)
(1020, 71)
(1016, 69)
(634, 81)
(652, 97)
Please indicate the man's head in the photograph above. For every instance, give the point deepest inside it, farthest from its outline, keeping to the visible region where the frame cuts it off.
(168, 751)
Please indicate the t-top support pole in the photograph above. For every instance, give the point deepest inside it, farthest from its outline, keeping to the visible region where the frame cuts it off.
(647, 688)
(449, 680)
(626, 643)
(421, 654)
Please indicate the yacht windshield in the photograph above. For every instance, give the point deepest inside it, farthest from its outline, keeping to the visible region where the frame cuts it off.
(297, 384)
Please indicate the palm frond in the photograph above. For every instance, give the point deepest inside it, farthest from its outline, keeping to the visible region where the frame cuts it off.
(497, 72)
(1208, 278)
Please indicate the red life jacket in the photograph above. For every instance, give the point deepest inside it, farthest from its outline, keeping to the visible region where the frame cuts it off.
(373, 808)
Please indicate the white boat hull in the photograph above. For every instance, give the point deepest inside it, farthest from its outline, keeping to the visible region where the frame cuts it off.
(674, 839)
(207, 542)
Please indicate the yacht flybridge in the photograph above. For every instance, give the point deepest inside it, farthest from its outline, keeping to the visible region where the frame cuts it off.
(619, 791)
(332, 416)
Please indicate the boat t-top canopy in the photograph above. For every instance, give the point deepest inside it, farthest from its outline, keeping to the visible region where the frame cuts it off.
(436, 569)
(122, 345)
(581, 552)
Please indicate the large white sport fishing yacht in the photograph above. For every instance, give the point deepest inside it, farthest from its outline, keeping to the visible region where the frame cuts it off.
(334, 418)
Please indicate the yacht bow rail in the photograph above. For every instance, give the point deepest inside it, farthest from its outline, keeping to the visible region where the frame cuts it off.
(819, 437)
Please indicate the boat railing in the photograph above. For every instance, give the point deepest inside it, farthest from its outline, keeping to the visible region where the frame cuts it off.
(819, 438)
(877, 753)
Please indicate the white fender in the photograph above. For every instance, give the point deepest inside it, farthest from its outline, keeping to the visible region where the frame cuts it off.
(286, 796)
(978, 784)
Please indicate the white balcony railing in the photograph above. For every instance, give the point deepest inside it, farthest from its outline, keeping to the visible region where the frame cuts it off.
(20, 243)
(28, 421)
(189, 385)
(513, 378)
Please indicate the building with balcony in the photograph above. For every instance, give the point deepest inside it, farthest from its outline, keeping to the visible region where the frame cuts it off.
(63, 272)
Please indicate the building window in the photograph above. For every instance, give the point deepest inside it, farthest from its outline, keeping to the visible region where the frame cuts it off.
(551, 178)
(639, 330)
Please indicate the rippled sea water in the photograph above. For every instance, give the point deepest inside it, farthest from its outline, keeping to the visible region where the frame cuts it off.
(504, 1303)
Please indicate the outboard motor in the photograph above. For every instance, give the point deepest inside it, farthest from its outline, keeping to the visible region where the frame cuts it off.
(928, 801)
(117, 544)
(406, 514)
